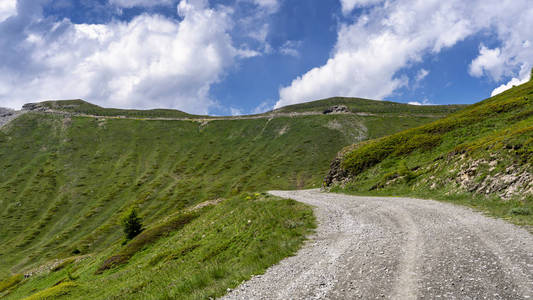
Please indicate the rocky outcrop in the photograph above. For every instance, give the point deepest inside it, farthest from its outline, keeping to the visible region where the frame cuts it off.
(460, 173)
(478, 176)
(34, 107)
(6, 115)
(337, 109)
(336, 173)
(6, 112)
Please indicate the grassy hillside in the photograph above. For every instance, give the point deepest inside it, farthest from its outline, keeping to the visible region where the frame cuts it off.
(370, 106)
(82, 107)
(66, 181)
(216, 248)
(481, 156)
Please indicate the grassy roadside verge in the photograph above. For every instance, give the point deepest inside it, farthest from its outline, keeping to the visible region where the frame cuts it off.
(225, 245)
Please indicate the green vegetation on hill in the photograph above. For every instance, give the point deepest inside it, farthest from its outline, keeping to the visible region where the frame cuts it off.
(67, 182)
(370, 106)
(220, 248)
(83, 107)
(481, 156)
(356, 105)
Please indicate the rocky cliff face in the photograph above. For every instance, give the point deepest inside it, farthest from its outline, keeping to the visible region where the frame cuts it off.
(485, 177)
(336, 174)
(5, 112)
(491, 176)
(7, 115)
(34, 107)
(337, 109)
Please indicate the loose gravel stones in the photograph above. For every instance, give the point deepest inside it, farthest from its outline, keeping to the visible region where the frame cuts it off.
(399, 248)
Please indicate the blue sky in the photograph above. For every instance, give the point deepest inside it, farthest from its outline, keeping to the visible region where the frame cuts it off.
(245, 56)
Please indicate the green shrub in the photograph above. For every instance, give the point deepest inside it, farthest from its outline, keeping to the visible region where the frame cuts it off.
(147, 237)
(422, 142)
(63, 264)
(10, 282)
(522, 211)
(132, 225)
(61, 289)
(374, 152)
(405, 172)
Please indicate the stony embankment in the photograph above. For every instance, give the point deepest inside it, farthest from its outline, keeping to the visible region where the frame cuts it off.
(7, 114)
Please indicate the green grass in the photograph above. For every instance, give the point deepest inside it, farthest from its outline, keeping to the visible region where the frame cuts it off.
(358, 105)
(54, 292)
(223, 246)
(66, 183)
(464, 158)
(10, 282)
(82, 107)
(145, 238)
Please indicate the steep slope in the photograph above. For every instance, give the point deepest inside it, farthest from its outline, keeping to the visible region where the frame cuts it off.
(70, 170)
(481, 156)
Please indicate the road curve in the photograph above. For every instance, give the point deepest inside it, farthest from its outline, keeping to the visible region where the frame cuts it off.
(399, 248)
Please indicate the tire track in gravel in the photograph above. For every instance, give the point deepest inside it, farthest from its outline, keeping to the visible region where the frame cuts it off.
(399, 248)
(407, 284)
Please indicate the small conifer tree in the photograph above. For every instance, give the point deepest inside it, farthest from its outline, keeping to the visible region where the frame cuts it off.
(531, 76)
(132, 224)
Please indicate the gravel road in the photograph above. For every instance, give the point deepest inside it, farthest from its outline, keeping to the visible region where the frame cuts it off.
(399, 248)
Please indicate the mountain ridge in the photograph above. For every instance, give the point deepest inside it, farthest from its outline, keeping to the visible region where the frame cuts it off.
(352, 105)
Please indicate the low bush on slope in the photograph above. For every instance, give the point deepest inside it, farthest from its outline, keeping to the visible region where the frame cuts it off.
(224, 245)
(10, 282)
(481, 156)
(145, 238)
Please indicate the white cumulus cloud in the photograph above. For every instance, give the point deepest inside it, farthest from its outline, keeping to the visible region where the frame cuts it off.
(372, 49)
(150, 61)
(418, 103)
(489, 61)
(504, 87)
(524, 76)
(8, 8)
(348, 5)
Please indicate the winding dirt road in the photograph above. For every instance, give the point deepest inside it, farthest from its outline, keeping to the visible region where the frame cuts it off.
(399, 248)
